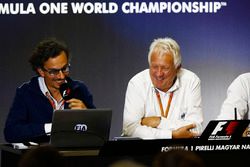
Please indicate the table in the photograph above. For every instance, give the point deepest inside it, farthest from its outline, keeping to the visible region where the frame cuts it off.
(214, 153)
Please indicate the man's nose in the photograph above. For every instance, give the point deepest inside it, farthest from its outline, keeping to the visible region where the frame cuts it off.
(61, 75)
(159, 72)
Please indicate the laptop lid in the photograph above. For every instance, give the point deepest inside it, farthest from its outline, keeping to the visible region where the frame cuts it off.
(226, 130)
(80, 128)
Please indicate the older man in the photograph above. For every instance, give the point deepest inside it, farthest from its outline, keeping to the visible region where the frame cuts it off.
(163, 101)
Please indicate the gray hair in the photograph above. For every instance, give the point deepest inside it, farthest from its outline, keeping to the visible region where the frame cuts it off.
(164, 45)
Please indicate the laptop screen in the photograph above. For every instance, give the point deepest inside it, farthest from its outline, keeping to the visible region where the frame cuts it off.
(80, 128)
(226, 130)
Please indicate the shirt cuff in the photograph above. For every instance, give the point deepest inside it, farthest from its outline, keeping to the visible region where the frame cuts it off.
(47, 128)
(165, 134)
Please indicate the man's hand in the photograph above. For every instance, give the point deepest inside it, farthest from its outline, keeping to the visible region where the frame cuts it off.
(76, 104)
(184, 132)
(246, 132)
(153, 121)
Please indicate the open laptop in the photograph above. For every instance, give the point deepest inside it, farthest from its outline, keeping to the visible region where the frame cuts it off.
(226, 130)
(88, 128)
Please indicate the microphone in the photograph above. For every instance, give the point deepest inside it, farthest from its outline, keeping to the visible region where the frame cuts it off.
(235, 113)
(66, 91)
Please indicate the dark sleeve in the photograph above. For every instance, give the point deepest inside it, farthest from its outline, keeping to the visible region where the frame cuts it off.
(87, 97)
(24, 121)
(81, 92)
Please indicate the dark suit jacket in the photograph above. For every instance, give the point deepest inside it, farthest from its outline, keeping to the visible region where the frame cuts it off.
(31, 110)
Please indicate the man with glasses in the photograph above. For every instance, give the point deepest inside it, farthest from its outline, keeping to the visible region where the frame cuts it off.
(31, 113)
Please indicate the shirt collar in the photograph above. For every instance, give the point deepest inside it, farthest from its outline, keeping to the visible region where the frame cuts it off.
(45, 90)
(42, 85)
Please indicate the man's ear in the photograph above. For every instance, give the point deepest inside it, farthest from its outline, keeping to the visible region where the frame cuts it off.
(178, 68)
(40, 72)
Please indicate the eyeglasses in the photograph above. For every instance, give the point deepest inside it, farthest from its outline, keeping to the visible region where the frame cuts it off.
(54, 72)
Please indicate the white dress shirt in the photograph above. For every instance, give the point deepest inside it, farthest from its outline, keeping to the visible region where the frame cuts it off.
(141, 101)
(238, 96)
(58, 105)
